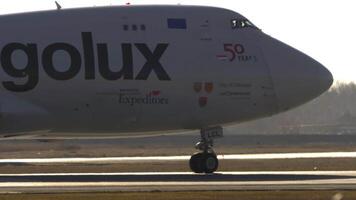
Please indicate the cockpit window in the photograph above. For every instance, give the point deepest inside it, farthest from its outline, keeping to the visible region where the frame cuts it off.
(241, 23)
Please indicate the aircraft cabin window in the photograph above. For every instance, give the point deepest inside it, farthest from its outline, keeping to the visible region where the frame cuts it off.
(143, 27)
(133, 27)
(125, 27)
(241, 23)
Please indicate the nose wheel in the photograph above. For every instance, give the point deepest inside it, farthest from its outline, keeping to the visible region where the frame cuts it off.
(206, 161)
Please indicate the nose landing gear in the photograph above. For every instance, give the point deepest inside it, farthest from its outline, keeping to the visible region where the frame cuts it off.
(206, 161)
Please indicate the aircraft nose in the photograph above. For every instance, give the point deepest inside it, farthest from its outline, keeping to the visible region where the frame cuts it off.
(297, 78)
(326, 79)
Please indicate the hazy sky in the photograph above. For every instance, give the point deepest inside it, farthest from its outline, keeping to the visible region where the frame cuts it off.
(324, 29)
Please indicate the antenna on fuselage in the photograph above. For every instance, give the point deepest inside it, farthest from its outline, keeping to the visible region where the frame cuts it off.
(59, 7)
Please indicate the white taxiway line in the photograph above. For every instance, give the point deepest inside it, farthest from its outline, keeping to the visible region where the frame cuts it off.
(179, 158)
(172, 181)
(333, 173)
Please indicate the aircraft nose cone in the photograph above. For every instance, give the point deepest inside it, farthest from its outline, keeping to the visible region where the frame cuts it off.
(297, 78)
(325, 78)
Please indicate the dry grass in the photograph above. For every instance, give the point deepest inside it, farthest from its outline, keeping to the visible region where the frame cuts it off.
(182, 166)
(233, 195)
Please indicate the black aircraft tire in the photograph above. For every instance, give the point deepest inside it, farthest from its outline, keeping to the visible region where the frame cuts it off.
(196, 163)
(210, 162)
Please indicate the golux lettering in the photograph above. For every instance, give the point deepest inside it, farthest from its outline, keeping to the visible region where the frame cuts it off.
(31, 70)
(153, 97)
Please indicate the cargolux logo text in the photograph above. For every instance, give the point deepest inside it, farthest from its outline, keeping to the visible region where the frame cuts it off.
(30, 72)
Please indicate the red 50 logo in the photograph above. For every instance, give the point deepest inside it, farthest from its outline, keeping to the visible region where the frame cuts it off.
(234, 50)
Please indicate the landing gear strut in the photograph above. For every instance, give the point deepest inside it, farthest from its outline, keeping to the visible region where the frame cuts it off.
(206, 160)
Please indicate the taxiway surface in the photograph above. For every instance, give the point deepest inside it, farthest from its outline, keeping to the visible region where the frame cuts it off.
(175, 181)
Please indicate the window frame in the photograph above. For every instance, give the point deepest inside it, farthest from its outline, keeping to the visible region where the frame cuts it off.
(241, 24)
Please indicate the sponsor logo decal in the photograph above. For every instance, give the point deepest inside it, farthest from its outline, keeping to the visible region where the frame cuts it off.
(233, 93)
(29, 74)
(235, 90)
(203, 101)
(134, 97)
(208, 88)
(236, 52)
(198, 87)
(234, 85)
(222, 57)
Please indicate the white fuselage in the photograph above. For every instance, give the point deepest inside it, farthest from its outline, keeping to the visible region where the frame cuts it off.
(145, 68)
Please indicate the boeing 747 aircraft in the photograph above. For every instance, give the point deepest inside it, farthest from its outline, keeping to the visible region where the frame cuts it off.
(147, 68)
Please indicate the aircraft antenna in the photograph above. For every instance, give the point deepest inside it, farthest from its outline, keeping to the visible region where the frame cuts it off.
(59, 7)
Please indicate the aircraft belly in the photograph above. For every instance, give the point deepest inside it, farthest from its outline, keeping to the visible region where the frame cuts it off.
(18, 115)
